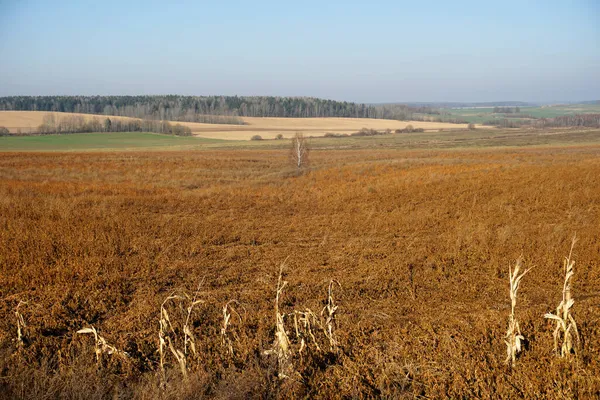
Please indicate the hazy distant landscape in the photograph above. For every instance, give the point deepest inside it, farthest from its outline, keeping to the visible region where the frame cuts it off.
(316, 200)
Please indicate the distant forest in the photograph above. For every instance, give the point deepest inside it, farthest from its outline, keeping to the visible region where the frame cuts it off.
(218, 109)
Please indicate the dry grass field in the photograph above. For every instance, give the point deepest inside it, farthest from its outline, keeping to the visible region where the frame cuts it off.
(420, 242)
(267, 128)
(28, 121)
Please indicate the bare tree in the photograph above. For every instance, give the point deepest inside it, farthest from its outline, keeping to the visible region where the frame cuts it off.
(299, 150)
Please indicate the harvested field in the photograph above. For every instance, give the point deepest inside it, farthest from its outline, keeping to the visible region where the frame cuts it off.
(267, 128)
(420, 242)
(28, 121)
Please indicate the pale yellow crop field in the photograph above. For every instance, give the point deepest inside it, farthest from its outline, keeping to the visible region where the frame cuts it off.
(267, 128)
(28, 121)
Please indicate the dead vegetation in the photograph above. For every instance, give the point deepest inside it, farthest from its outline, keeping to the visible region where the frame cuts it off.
(115, 243)
(101, 345)
(566, 331)
(514, 338)
(175, 332)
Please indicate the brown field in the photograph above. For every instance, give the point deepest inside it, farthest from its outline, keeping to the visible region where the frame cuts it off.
(267, 128)
(420, 242)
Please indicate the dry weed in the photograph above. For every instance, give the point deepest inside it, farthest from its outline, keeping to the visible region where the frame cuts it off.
(514, 338)
(304, 321)
(169, 332)
(100, 344)
(281, 345)
(227, 313)
(329, 312)
(566, 328)
(20, 324)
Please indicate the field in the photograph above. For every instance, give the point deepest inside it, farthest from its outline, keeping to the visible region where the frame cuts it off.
(480, 115)
(452, 139)
(267, 128)
(100, 141)
(420, 241)
(28, 121)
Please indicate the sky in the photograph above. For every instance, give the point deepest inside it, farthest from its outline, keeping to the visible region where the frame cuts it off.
(362, 51)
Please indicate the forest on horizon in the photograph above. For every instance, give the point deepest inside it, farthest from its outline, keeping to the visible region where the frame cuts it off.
(220, 109)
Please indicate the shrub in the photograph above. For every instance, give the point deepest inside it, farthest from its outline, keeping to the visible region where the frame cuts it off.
(256, 137)
(279, 136)
(181, 130)
(409, 129)
(4, 131)
(366, 132)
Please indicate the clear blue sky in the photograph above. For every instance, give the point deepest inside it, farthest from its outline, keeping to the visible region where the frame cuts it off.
(377, 51)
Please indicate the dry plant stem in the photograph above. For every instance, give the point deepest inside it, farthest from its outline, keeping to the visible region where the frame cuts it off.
(566, 328)
(167, 334)
(306, 321)
(225, 339)
(20, 324)
(164, 327)
(329, 312)
(281, 344)
(180, 357)
(101, 346)
(303, 324)
(188, 334)
(513, 334)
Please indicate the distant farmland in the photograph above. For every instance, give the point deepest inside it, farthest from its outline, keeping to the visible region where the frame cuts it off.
(267, 128)
(479, 115)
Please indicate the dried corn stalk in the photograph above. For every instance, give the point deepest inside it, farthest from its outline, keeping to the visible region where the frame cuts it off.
(100, 344)
(20, 324)
(514, 338)
(227, 314)
(281, 345)
(566, 328)
(168, 336)
(329, 313)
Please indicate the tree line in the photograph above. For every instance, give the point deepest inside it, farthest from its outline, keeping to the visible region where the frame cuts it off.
(208, 109)
(562, 121)
(578, 120)
(507, 110)
(55, 124)
(219, 109)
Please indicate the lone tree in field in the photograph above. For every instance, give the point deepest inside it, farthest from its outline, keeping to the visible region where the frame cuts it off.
(299, 150)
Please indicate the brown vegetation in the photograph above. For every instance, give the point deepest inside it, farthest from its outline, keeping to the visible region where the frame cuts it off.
(419, 241)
